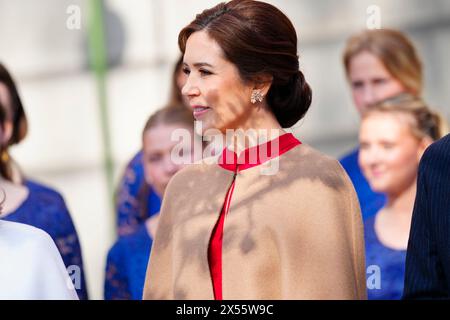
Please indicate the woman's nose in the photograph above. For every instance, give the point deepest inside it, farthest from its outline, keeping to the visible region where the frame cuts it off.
(369, 97)
(170, 167)
(190, 88)
(370, 156)
(375, 156)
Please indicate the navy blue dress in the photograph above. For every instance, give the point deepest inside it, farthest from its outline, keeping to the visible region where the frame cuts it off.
(126, 266)
(135, 200)
(45, 209)
(370, 201)
(389, 262)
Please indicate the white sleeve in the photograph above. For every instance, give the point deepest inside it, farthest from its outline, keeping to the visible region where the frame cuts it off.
(53, 281)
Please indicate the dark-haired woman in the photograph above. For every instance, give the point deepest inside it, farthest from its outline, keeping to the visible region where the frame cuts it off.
(33, 203)
(270, 218)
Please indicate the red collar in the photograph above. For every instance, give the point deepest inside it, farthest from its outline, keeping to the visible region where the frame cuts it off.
(257, 155)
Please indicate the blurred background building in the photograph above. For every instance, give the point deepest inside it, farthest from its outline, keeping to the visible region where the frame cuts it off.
(88, 87)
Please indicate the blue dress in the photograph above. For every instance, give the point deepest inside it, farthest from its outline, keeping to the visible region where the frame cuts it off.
(44, 208)
(370, 201)
(389, 262)
(126, 266)
(133, 195)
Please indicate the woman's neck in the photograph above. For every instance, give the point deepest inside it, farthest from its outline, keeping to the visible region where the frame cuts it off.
(402, 203)
(393, 222)
(260, 128)
(15, 195)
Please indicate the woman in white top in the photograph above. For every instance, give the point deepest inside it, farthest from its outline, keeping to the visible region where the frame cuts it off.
(31, 267)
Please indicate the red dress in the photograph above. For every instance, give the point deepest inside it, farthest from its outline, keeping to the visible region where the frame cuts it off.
(249, 158)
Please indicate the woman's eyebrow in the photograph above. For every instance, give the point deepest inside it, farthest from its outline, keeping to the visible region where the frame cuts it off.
(202, 64)
(198, 64)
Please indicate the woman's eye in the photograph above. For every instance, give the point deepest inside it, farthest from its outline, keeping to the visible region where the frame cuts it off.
(204, 72)
(357, 84)
(186, 71)
(388, 145)
(380, 81)
(364, 146)
(153, 159)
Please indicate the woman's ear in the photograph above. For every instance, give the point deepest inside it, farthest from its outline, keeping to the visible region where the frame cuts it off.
(263, 83)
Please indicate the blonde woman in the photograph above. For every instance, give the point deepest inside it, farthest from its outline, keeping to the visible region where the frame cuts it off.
(393, 136)
(128, 258)
(379, 64)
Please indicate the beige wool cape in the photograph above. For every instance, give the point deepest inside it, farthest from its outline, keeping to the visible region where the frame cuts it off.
(296, 234)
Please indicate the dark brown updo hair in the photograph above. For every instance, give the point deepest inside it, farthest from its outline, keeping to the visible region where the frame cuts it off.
(259, 40)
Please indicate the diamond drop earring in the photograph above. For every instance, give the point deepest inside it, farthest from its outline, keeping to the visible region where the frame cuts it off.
(256, 96)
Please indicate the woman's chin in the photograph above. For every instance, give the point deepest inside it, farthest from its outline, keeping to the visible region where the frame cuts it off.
(379, 187)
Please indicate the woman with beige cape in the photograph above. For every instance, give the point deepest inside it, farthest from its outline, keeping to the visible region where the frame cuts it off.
(270, 217)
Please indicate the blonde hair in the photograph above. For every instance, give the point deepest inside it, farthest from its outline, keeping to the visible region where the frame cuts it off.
(170, 114)
(394, 49)
(426, 122)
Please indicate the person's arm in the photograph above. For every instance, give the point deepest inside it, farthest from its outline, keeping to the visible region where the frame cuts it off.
(423, 274)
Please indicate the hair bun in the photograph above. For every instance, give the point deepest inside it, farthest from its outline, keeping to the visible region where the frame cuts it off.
(290, 102)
